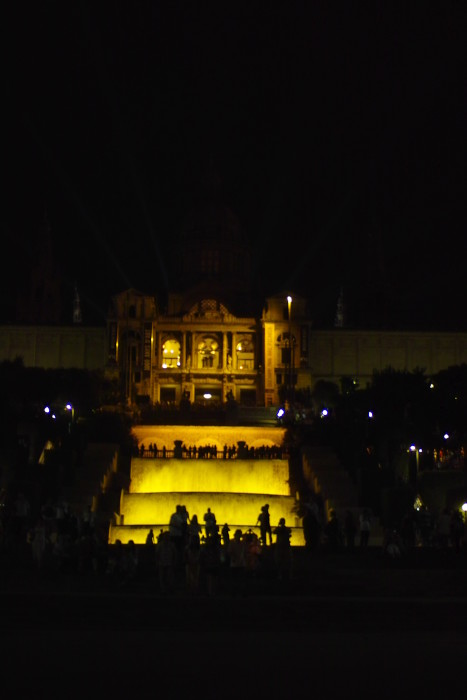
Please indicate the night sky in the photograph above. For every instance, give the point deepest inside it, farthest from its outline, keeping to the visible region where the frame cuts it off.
(338, 131)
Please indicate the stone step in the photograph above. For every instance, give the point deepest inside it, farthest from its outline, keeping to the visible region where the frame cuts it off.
(138, 533)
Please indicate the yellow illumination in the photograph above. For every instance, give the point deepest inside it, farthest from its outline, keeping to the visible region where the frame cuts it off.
(210, 475)
(234, 489)
(234, 508)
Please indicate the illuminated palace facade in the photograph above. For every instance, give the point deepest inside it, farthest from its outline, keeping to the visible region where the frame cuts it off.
(212, 342)
(215, 335)
(204, 352)
(218, 340)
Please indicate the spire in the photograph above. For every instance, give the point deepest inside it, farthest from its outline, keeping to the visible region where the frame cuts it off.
(77, 316)
(339, 318)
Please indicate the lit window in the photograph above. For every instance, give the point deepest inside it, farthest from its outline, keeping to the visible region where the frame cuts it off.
(171, 354)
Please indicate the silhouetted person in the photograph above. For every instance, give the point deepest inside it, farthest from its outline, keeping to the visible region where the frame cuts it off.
(425, 524)
(264, 522)
(392, 545)
(365, 528)
(149, 550)
(129, 563)
(21, 516)
(456, 527)
(176, 531)
(194, 531)
(193, 555)
(210, 523)
(211, 562)
(350, 529)
(333, 532)
(185, 518)
(443, 528)
(282, 550)
(225, 535)
(39, 542)
(252, 552)
(237, 563)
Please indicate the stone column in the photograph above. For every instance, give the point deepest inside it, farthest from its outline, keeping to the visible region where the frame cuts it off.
(234, 350)
(183, 358)
(157, 355)
(224, 350)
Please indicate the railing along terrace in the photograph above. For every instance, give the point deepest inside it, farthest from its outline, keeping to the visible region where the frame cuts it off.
(212, 452)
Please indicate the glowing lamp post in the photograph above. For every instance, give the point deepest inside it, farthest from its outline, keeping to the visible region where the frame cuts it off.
(417, 451)
(71, 409)
(290, 382)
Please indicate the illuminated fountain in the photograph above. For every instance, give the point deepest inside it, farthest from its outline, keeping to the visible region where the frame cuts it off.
(234, 489)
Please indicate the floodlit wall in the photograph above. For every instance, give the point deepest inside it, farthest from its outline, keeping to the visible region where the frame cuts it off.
(66, 347)
(239, 508)
(234, 489)
(359, 353)
(211, 475)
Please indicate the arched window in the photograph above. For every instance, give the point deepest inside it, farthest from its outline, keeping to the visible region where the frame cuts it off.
(170, 353)
(245, 353)
(283, 345)
(208, 352)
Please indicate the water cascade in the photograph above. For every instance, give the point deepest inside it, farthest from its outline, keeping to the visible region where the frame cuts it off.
(234, 490)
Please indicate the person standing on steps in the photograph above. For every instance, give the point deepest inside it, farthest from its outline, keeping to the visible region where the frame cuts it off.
(365, 528)
(264, 522)
(282, 552)
(210, 523)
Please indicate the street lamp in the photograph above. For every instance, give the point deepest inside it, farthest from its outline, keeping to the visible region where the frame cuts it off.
(289, 308)
(417, 450)
(70, 408)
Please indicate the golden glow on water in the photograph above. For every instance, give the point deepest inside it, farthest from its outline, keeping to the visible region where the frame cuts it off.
(234, 489)
(239, 508)
(214, 475)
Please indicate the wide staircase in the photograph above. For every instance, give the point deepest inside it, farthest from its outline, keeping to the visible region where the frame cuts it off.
(234, 488)
(326, 476)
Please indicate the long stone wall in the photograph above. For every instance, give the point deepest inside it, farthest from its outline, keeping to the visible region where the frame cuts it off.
(55, 347)
(333, 354)
(212, 475)
(358, 354)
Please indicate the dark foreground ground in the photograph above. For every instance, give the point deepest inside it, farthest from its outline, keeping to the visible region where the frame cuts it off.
(358, 625)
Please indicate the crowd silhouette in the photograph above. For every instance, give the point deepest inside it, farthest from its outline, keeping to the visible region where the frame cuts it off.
(197, 555)
(243, 451)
